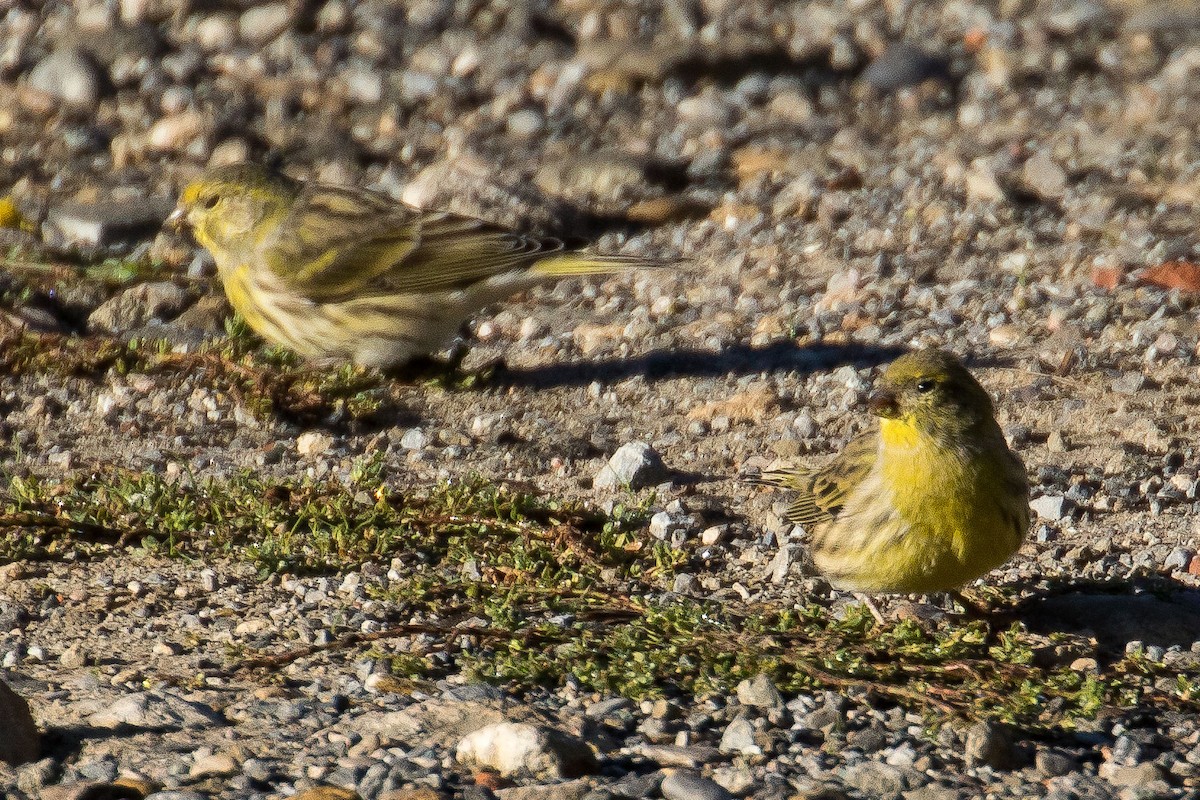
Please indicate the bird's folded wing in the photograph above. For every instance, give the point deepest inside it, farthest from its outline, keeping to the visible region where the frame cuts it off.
(334, 242)
(821, 493)
(339, 243)
(455, 252)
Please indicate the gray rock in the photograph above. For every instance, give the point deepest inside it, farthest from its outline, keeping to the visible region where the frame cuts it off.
(607, 708)
(31, 778)
(602, 173)
(875, 780)
(1162, 16)
(1044, 177)
(1149, 777)
(634, 465)
(675, 756)
(739, 737)
(1071, 18)
(902, 65)
(1127, 752)
(1051, 507)
(1179, 558)
(1078, 785)
(934, 791)
(657, 731)
(760, 692)
(89, 790)
(363, 85)
(136, 306)
(20, 743)
(992, 745)
(704, 108)
(106, 222)
(870, 740)
(631, 785)
(1129, 383)
(205, 316)
(665, 709)
(687, 785)
(779, 568)
(413, 439)
(473, 792)
(415, 85)
(826, 718)
(660, 525)
(524, 123)
(515, 748)
(215, 765)
(810, 788)
(1053, 763)
(260, 24)
(217, 32)
(372, 782)
(474, 691)
(154, 710)
(685, 583)
(1057, 442)
(176, 795)
(73, 657)
(70, 76)
(258, 769)
(313, 443)
(13, 616)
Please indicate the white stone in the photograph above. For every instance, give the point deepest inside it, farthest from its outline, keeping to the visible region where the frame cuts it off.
(514, 748)
(312, 443)
(633, 465)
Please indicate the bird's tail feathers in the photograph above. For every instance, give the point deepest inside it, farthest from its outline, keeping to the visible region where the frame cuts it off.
(565, 264)
(787, 477)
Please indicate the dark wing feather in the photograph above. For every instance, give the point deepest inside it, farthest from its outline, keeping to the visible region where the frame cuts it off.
(455, 252)
(820, 493)
(344, 242)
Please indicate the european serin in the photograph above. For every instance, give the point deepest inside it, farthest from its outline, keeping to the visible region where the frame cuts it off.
(343, 274)
(933, 500)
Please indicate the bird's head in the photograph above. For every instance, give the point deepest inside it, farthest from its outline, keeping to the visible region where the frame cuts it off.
(233, 207)
(932, 392)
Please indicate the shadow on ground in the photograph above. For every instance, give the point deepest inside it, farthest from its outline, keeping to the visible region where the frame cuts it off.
(1161, 612)
(665, 364)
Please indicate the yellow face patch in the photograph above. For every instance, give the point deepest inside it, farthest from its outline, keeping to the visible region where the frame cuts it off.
(899, 432)
(190, 195)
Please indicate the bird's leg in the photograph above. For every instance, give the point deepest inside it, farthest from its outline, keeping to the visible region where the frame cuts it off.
(870, 604)
(458, 353)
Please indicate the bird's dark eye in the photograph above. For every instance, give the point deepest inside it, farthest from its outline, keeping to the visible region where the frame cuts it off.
(926, 385)
(210, 202)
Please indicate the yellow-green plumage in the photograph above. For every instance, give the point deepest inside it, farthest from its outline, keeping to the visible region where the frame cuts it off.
(348, 275)
(933, 500)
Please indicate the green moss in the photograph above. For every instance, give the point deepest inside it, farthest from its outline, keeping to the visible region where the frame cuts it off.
(557, 591)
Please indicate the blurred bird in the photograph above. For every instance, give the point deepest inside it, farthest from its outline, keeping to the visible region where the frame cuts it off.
(344, 274)
(933, 500)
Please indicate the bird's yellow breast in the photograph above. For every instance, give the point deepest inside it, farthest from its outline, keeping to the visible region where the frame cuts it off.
(946, 526)
(237, 289)
(933, 487)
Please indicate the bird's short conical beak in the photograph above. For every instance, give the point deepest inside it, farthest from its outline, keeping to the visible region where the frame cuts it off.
(176, 221)
(883, 403)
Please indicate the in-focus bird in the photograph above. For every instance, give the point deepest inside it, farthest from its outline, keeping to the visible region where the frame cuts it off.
(345, 274)
(931, 501)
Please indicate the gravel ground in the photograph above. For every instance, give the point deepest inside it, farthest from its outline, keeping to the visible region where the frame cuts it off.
(1015, 181)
